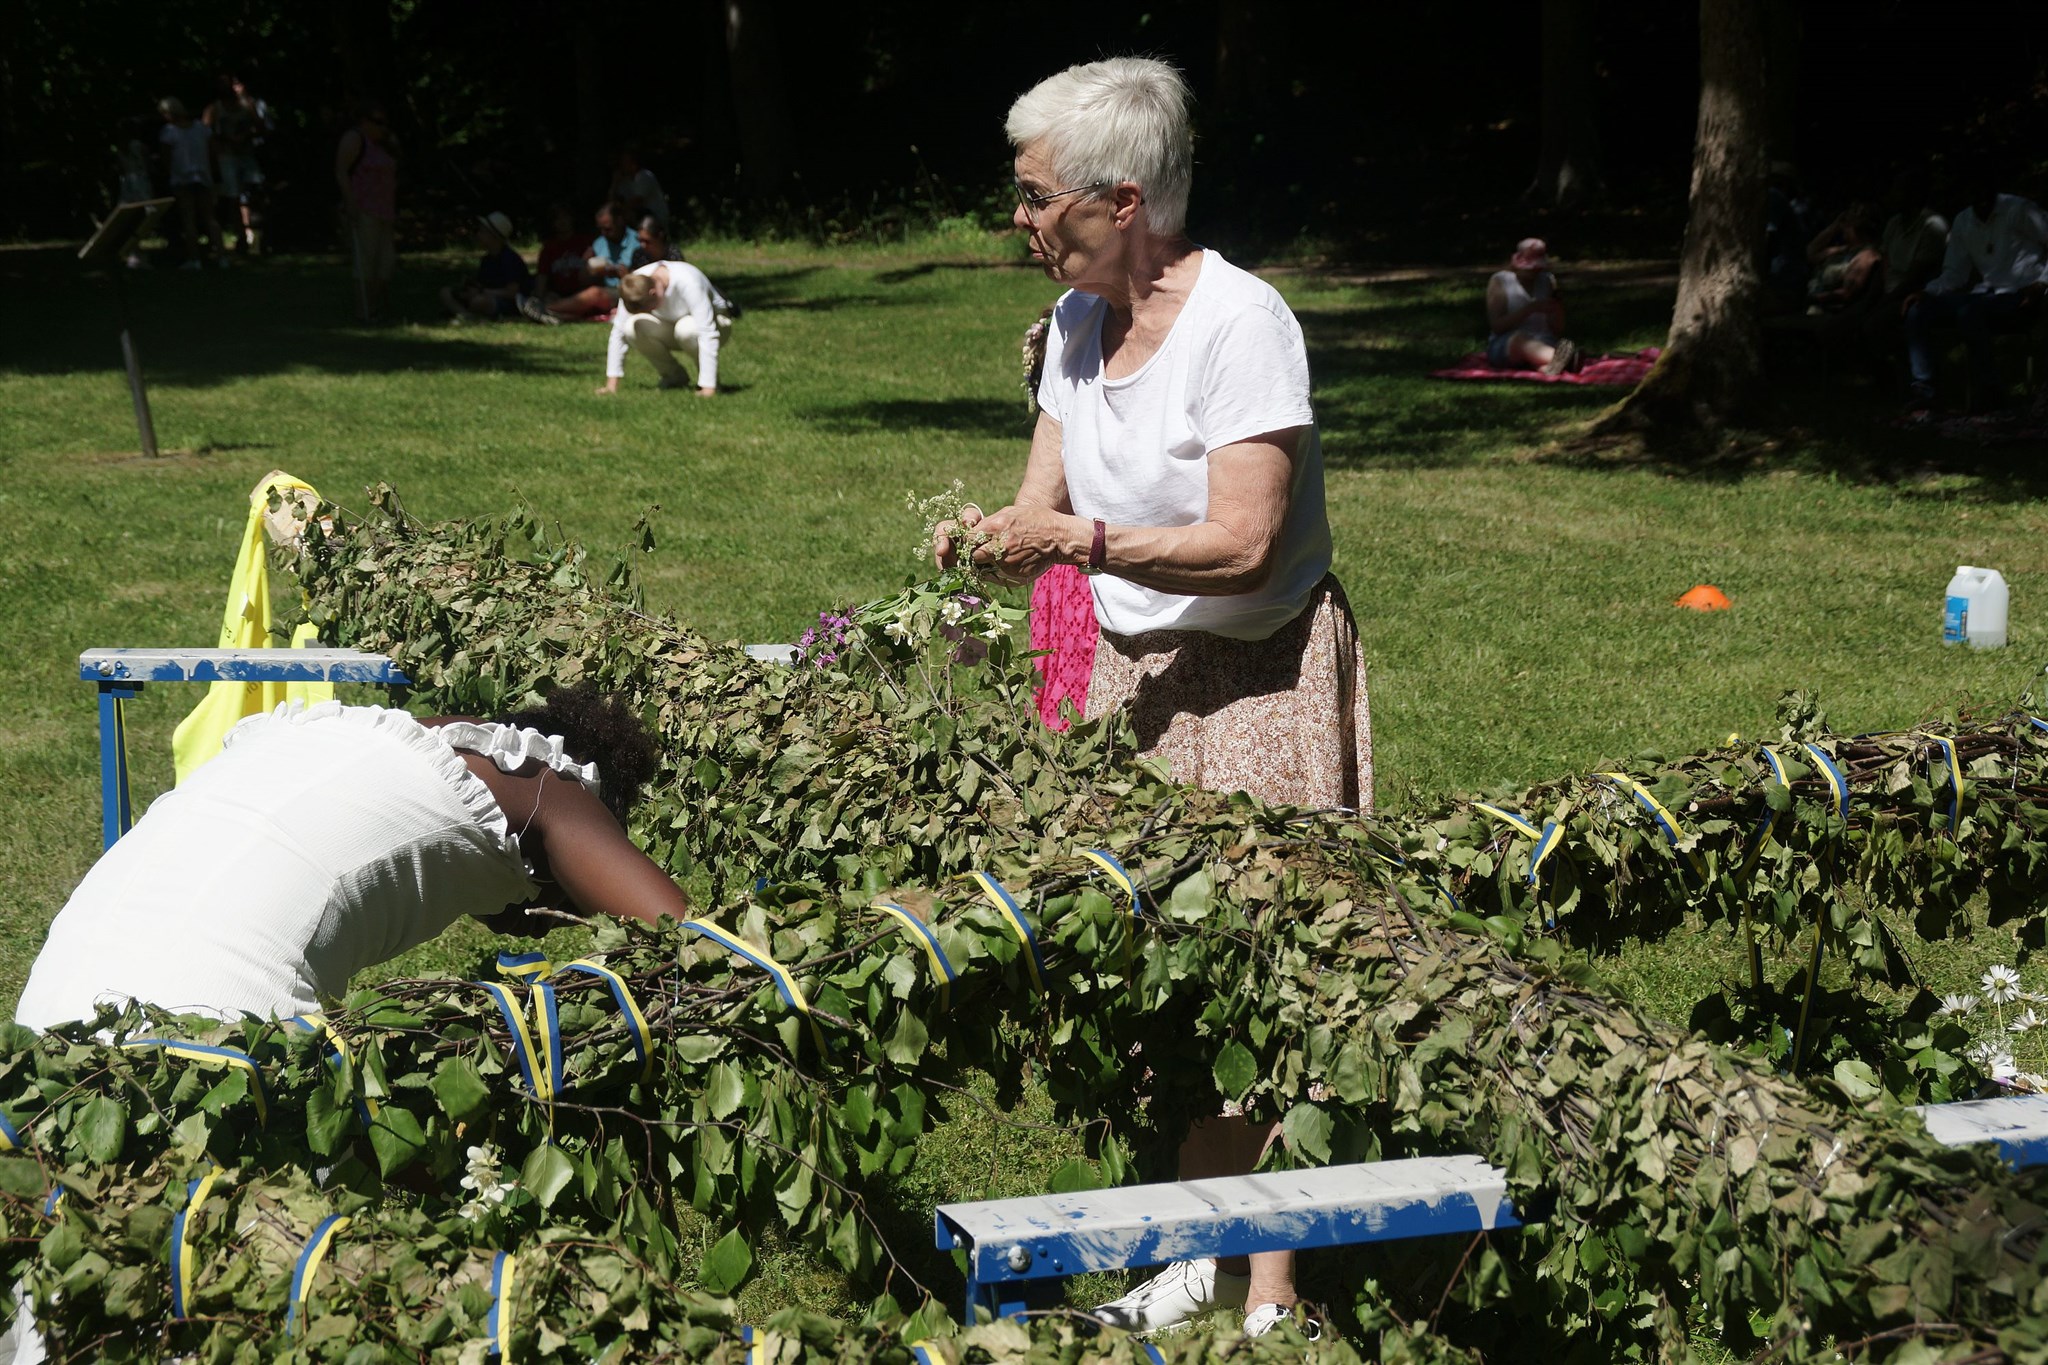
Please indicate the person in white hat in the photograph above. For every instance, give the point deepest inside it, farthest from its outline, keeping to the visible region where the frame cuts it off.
(1525, 315)
(501, 278)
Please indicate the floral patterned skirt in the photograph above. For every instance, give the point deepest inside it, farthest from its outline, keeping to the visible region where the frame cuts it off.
(1285, 718)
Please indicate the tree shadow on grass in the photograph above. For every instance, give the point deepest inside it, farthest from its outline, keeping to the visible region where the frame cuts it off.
(998, 419)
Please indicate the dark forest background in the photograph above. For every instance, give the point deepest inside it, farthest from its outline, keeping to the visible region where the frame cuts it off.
(1359, 130)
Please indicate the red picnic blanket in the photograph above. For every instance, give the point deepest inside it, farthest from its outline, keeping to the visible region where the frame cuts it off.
(1624, 371)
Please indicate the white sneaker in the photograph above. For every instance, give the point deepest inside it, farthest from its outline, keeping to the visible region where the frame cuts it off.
(1266, 1316)
(1177, 1293)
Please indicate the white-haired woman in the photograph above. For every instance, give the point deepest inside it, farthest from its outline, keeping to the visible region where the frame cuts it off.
(1176, 462)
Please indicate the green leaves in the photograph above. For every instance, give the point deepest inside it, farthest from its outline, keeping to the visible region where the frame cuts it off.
(101, 1128)
(726, 1264)
(1235, 1070)
(459, 1089)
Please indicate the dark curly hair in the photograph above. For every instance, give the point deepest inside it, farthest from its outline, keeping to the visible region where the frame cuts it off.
(597, 728)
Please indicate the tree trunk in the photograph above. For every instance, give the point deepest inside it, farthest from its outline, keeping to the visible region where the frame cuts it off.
(1710, 373)
(594, 52)
(757, 99)
(1784, 31)
(1568, 168)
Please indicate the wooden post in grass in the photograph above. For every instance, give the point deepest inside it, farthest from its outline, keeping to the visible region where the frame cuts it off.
(105, 250)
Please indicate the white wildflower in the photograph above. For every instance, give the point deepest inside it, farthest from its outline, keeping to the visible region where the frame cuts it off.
(2001, 984)
(952, 611)
(900, 629)
(1956, 1005)
(482, 1180)
(2024, 1020)
(2001, 1066)
(997, 627)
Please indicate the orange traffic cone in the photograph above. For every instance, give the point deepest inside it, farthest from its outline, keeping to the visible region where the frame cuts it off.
(1705, 597)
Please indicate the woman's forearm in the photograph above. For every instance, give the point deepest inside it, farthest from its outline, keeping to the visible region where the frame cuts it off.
(1208, 559)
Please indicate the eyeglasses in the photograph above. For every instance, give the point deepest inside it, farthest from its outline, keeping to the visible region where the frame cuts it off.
(1034, 204)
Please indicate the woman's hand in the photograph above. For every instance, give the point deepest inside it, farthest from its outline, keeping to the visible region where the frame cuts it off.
(1026, 541)
(948, 537)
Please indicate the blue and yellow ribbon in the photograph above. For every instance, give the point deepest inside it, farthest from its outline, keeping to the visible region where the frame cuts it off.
(753, 1346)
(10, 1136)
(51, 1202)
(1759, 837)
(339, 1058)
(942, 967)
(535, 968)
(1013, 915)
(531, 1068)
(498, 1322)
(629, 1009)
(924, 1353)
(1519, 824)
(1838, 785)
(1546, 844)
(1119, 874)
(207, 1054)
(785, 985)
(196, 1191)
(309, 1265)
(1663, 818)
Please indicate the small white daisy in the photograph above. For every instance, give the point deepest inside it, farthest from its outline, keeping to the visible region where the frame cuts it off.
(2001, 984)
(1956, 1005)
(2024, 1020)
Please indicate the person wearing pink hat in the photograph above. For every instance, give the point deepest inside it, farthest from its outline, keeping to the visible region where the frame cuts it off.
(1526, 316)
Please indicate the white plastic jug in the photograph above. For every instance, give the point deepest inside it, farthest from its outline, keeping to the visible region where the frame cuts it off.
(1976, 609)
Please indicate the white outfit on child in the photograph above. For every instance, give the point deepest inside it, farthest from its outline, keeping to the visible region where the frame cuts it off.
(691, 316)
(322, 840)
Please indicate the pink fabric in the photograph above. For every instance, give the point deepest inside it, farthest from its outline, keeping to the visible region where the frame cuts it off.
(1624, 371)
(1063, 622)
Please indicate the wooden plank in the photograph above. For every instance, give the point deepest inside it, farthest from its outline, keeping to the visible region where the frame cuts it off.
(1064, 1234)
(2018, 1124)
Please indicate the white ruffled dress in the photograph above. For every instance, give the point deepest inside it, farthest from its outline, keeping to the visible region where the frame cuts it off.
(322, 840)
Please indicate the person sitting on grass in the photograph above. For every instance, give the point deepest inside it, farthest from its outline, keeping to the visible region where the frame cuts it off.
(559, 274)
(326, 839)
(1992, 279)
(654, 243)
(608, 259)
(1526, 316)
(664, 308)
(502, 282)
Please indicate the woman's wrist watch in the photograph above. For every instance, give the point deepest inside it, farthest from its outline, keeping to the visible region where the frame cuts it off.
(1096, 549)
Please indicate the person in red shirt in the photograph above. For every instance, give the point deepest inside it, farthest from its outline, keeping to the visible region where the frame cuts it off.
(563, 288)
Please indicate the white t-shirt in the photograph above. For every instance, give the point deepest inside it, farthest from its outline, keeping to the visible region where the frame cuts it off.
(690, 298)
(190, 164)
(1136, 449)
(1505, 294)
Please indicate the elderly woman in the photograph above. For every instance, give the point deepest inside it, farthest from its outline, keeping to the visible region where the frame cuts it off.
(1176, 462)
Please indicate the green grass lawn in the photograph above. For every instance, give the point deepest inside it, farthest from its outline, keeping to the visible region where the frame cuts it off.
(1515, 605)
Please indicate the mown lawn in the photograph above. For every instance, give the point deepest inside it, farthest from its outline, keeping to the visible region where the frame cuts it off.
(1515, 601)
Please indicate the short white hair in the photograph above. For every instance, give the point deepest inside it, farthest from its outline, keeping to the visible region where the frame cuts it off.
(1125, 118)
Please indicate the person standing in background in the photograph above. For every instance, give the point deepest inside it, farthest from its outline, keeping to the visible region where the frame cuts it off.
(366, 172)
(239, 122)
(635, 187)
(188, 166)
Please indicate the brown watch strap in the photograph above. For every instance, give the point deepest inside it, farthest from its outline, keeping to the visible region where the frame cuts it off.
(1097, 549)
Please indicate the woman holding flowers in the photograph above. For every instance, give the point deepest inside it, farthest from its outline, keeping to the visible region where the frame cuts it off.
(1176, 462)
